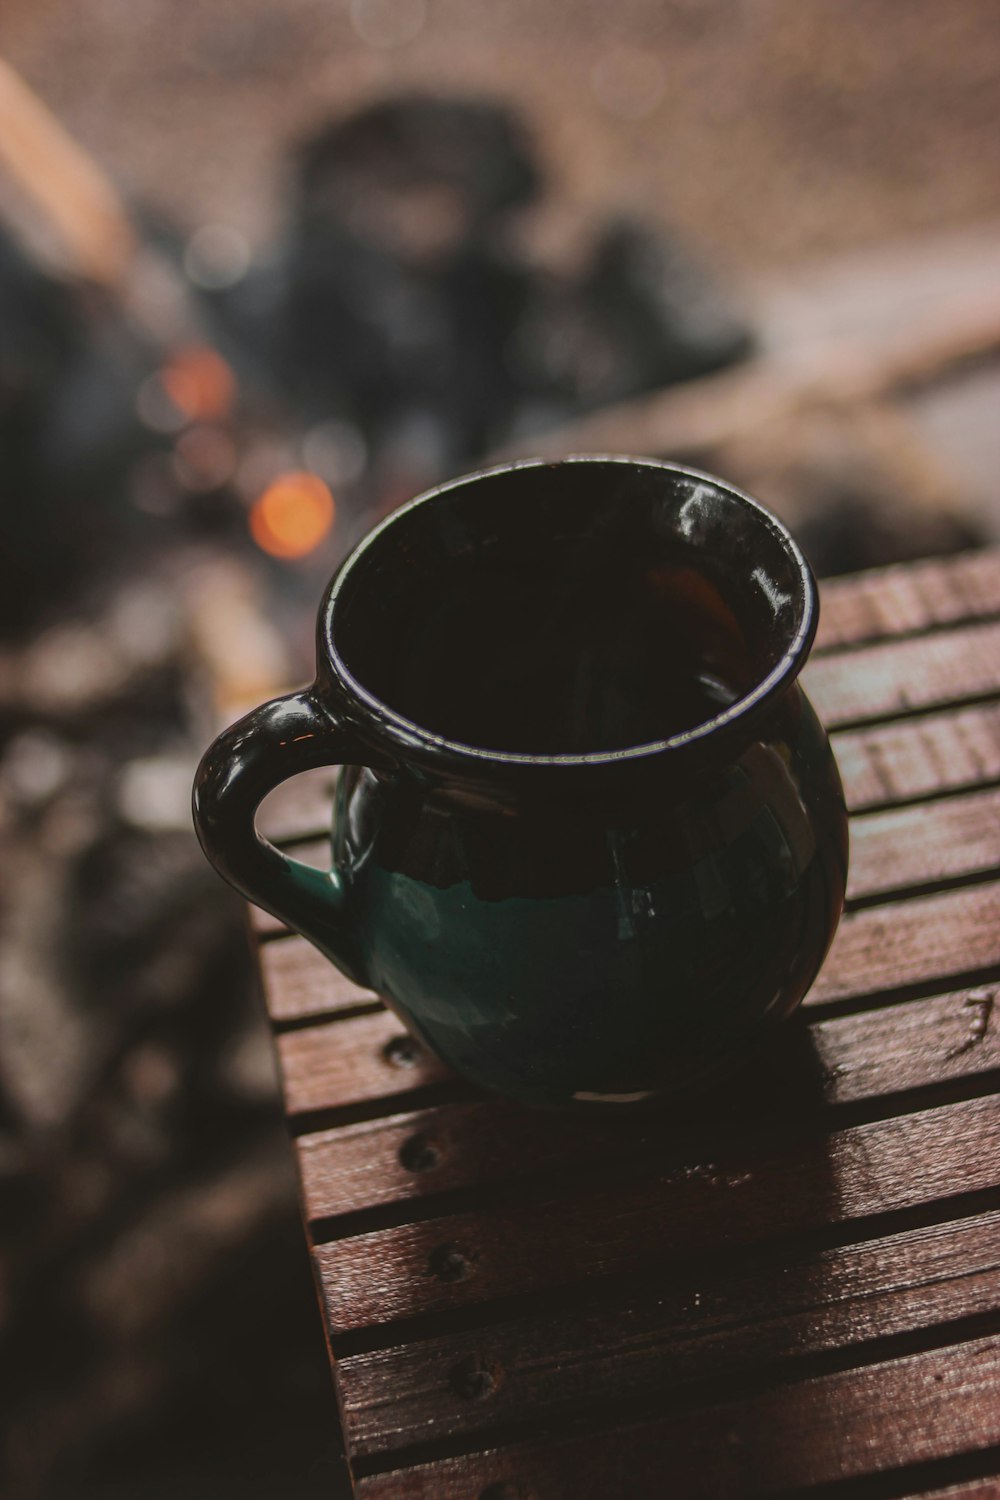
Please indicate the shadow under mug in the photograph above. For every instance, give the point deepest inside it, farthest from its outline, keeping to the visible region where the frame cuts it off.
(589, 839)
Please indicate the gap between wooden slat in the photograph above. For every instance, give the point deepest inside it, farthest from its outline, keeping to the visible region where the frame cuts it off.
(553, 1300)
(685, 1340)
(613, 1415)
(897, 853)
(887, 949)
(742, 1194)
(908, 599)
(300, 983)
(902, 1483)
(920, 758)
(533, 1183)
(372, 1096)
(896, 678)
(858, 1068)
(988, 1489)
(609, 1413)
(972, 1475)
(847, 1425)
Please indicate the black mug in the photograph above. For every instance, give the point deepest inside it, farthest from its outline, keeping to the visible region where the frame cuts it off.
(589, 840)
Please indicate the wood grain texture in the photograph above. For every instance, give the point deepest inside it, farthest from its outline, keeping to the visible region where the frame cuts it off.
(840, 1426)
(908, 598)
(899, 677)
(299, 982)
(922, 941)
(921, 757)
(652, 1341)
(743, 1194)
(848, 1061)
(348, 1064)
(924, 845)
(887, 853)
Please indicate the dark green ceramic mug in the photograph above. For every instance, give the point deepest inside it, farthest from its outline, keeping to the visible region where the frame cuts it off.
(589, 840)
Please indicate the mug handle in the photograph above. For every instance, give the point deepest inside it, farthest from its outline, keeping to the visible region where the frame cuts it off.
(278, 740)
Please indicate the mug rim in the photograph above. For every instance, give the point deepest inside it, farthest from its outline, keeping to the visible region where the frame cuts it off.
(408, 733)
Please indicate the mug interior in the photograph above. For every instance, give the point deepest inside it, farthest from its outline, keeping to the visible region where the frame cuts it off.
(574, 609)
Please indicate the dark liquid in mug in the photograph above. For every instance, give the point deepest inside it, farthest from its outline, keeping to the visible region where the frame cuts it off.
(547, 657)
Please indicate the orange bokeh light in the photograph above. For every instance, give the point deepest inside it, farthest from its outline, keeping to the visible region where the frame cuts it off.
(199, 383)
(293, 515)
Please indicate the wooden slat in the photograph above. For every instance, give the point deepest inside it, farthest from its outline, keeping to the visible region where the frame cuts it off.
(348, 1063)
(668, 1334)
(300, 982)
(922, 941)
(924, 845)
(849, 1060)
(907, 598)
(924, 756)
(897, 677)
(743, 1195)
(842, 1426)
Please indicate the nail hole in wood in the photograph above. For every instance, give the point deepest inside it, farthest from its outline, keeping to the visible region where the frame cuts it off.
(402, 1052)
(450, 1263)
(476, 1377)
(419, 1154)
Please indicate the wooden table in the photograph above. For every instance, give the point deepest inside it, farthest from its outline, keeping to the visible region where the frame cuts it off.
(794, 1288)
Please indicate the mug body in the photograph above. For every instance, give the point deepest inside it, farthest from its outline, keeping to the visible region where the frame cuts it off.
(594, 844)
(600, 949)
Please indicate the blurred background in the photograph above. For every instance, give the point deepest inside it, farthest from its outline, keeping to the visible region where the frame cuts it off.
(267, 269)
